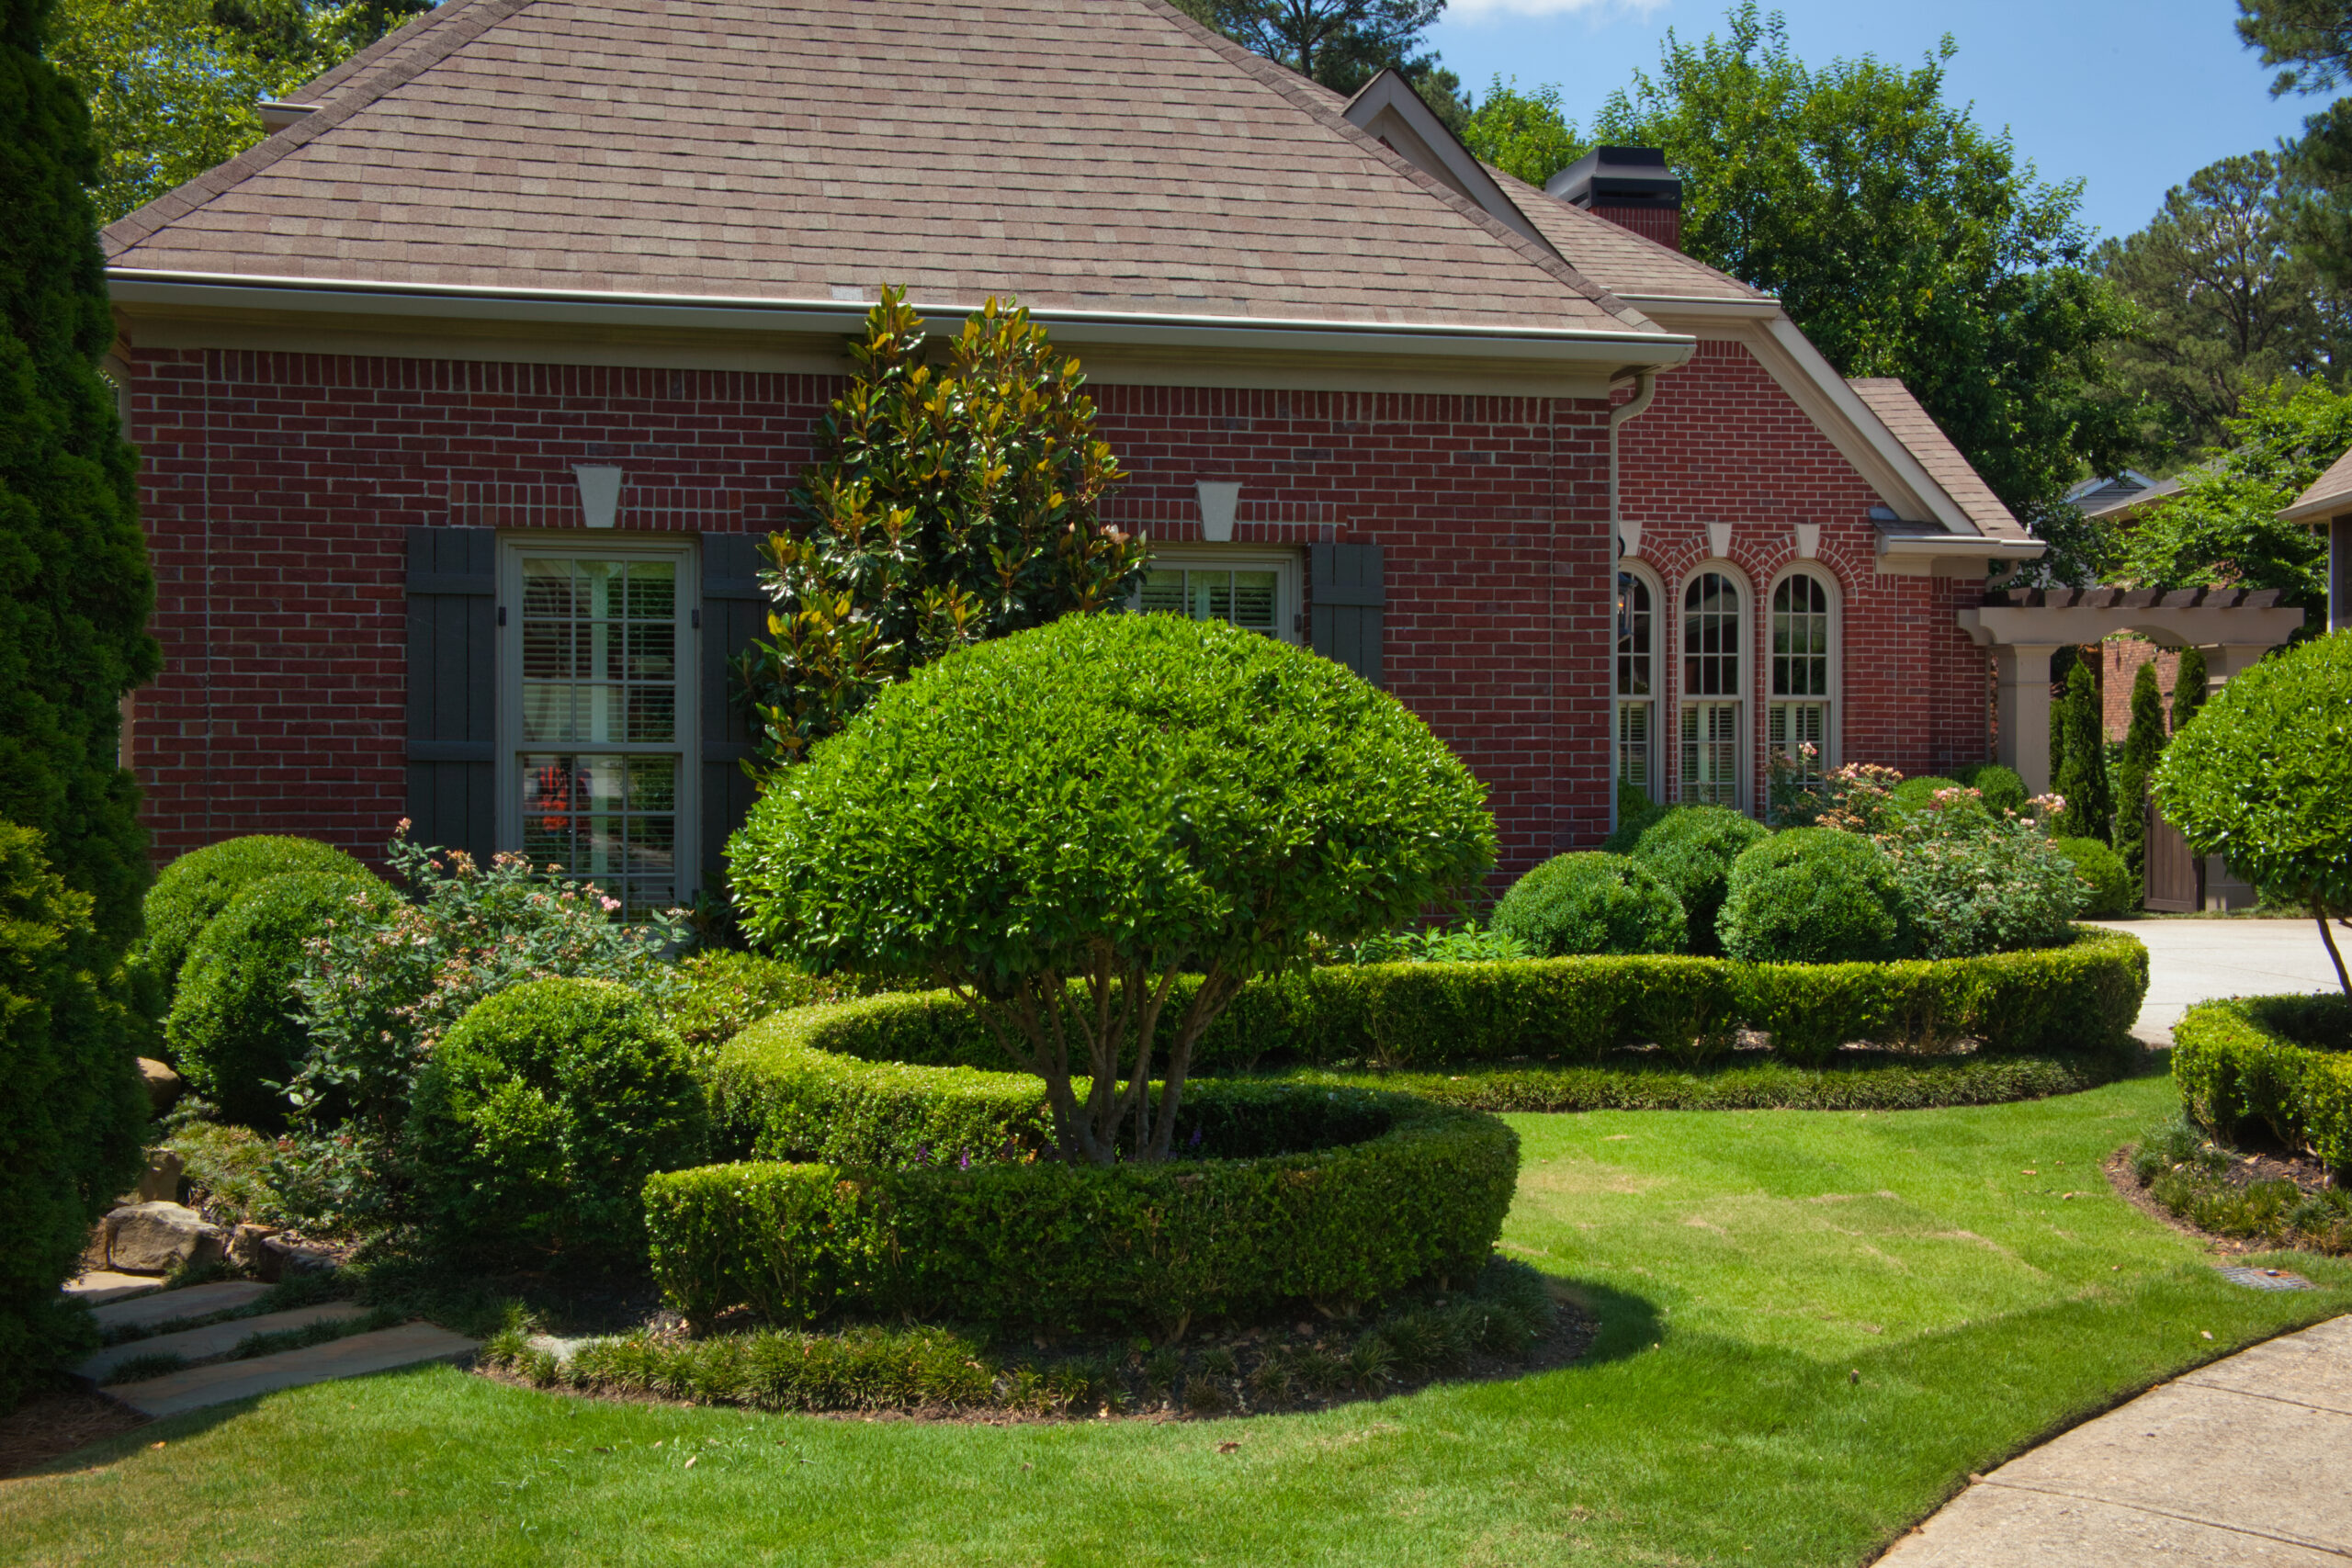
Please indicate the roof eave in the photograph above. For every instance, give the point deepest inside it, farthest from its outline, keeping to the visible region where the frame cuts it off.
(2322, 509)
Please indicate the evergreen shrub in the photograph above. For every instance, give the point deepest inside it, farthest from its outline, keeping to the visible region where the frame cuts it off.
(1635, 814)
(2284, 1062)
(1592, 903)
(2000, 788)
(1691, 850)
(1815, 895)
(198, 886)
(72, 1112)
(2114, 891)
(1914, 793)
(720, 994)
(234, 1027)
(541, 1114)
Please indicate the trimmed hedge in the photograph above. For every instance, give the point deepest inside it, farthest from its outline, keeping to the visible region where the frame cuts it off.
(2285, 1062)
(1420, 1190)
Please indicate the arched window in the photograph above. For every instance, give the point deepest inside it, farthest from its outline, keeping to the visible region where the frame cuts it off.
(1711, 690)
(1636, 690)
(1797, 725)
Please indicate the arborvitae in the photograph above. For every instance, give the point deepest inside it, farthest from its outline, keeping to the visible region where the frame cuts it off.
(2142, 746)
(74, 587)
(2188, 687)
(2083, 779)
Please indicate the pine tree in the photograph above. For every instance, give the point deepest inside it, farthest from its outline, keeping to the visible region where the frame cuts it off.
(2188, 687)
(2083, 780)
(2142, 746)
(75, 587)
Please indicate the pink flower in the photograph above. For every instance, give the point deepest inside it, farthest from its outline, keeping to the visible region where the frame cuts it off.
(610, 903)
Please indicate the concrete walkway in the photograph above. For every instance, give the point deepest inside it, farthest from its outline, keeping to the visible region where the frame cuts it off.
(2238, 1465)
(2194, 961)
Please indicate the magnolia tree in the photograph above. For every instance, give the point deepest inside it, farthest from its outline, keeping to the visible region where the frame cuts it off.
(1060, 825)
(2262, 776)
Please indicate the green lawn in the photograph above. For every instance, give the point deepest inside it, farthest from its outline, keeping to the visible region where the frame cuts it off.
(1743, 1265)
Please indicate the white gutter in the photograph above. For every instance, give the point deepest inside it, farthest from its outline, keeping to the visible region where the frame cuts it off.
(1902, 546)
(1633, 407)
(230, 291)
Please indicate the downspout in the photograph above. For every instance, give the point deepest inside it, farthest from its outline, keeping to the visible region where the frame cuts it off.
(1644, 390)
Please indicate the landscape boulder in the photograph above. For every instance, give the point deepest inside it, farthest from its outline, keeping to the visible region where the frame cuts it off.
(156, 1237)
(163, 1086)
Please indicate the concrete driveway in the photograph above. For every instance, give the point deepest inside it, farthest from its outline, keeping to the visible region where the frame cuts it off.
(2194, 961)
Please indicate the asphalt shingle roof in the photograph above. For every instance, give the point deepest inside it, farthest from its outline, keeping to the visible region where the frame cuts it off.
(1900, 413)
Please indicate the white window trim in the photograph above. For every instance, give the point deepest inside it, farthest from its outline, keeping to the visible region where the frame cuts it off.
(680, 549)
(1289, 621)
(1744, 727)
(1659, 703)
(1834, 741)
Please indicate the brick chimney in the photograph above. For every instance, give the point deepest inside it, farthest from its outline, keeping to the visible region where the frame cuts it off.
(1630, 186)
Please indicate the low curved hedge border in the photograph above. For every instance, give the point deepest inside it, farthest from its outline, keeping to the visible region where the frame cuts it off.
(2285, 1062)
(1390, 1189)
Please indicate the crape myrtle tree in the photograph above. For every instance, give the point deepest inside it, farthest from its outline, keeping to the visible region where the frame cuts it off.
(2262, 776)
(75, 587)
(952, 503)
(1060, 824)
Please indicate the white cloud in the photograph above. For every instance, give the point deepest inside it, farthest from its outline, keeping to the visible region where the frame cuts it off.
(1483, 10)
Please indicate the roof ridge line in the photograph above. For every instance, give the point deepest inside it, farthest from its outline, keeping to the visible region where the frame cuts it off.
(351, 67)
(472, 18)
(1287, 83)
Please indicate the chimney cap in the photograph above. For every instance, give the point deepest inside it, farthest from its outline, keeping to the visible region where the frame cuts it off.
(1618, 176)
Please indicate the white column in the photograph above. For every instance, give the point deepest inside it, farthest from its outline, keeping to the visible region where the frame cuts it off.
(2230, 660)
(2024, 716)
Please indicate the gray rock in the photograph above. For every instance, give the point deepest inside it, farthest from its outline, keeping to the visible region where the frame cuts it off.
(247, 1251)
(161, 1182)
(282, 1257)
(163, 1086)
(155, 1238)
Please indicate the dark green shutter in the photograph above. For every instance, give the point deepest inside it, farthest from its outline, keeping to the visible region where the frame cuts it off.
(1349, 600)
(453, 688)
(734, 615)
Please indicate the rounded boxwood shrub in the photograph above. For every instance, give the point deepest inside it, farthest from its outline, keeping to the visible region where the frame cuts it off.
(231, 1027)
(541, 1116)
(1592, 903)
(2114, 890)
(198, 886)
(1913, 794)
(2001, 787)
(72, 1112)
(1815, 895)
(1690, 849)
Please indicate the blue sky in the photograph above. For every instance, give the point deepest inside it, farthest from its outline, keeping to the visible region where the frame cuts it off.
(2133, 95)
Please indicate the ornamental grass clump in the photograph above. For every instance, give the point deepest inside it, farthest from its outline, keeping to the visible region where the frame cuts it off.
(1058, 825)
(1592, 903)
(2262, 776)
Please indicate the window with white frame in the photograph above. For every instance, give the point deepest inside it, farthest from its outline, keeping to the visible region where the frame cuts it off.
(1798, 727)
(1637, 684)
(1255, 589)
(596, 719)
(1711, 690)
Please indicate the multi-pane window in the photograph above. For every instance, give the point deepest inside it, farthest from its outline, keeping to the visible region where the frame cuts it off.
(1636, 674)
(1710, 690)
(597, 738)
(1255, 591)
(1798, 724)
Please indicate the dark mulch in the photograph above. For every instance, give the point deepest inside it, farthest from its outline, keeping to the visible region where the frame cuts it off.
(51, 1424)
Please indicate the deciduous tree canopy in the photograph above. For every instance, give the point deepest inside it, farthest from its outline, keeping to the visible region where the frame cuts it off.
(1341, 44)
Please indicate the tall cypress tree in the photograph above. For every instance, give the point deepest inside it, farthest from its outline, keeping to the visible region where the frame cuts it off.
(2083, 779)
(2143, 744)
(2188, 687)
(75, 587)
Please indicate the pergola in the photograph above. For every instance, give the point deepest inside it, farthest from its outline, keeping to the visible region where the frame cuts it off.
(2023, 628)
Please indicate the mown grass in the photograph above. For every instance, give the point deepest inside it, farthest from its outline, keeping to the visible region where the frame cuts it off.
(1815, 1326)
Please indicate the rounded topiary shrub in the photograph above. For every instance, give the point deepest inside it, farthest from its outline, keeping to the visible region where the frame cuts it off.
(1815, 895)
(1690, 849)
(541, 1116)
(232, 1027)
(2001, 787)
(2114, 891)
(197, 886)
(1592, 903)
(1912, 794)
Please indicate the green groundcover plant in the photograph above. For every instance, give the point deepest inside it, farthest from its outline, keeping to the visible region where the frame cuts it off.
(1060, 824)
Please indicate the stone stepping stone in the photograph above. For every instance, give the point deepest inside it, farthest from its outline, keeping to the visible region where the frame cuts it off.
(167, 1306)
(214, 1339)
(411, 1344)
(100, 1286)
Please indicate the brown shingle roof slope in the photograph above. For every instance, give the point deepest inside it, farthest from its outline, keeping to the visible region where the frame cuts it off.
(1911, 424)
(1101, 154)
(1618, 259)
(2330, 493)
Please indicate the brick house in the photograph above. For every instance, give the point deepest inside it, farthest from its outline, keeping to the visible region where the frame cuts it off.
(465, 397)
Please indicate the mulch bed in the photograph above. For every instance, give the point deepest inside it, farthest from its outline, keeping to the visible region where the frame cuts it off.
(2246, 1170)
(47, 1426)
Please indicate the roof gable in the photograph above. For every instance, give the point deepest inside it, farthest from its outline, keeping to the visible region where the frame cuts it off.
(1100, 154)
(2330, 494)
(1912, 425)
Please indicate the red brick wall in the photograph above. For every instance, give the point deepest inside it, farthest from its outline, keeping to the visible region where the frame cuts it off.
(1724, 444)
(277, 487)
(2120, 659)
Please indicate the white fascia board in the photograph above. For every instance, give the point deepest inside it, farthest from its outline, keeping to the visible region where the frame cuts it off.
(1390, 93)
(1847, 416)
(425, 301)
(1700, 307)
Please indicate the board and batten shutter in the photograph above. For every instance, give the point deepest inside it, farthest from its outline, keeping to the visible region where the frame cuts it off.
(452, 689)
(734, 615)
(1349, 602)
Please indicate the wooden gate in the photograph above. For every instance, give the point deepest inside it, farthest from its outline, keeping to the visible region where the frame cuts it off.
(2173, 879)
